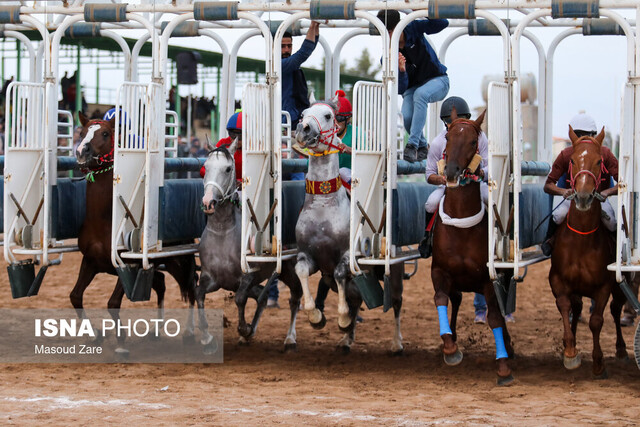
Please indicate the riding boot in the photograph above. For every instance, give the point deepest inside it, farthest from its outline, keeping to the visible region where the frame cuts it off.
(547, 246)
(426, 244)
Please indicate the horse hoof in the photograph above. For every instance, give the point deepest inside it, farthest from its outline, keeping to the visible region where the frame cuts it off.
(397, 353)
(622, 355)
(243, 342)
(245, 330)
(344, 329)
(319, 324)
(572, 362)
(453, 359)
(602, 375)
(188, 339)
(344, 323)
(291, 347)
(344, 349)
(505, 381)
(210, 348)
(122, 354)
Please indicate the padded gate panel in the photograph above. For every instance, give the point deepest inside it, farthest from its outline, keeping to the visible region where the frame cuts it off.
(293, 194)
(180, 215)
(68, 208)
(535, 205)
(409, 215)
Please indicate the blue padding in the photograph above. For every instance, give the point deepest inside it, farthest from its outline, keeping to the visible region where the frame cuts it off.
(452, 9)
(408, 212)
(82, 29)
(484, 27)
(535, 205)
(105, 12)
(183, 29)
(575, 8)
(601, 27)
(443, 318)
(501, 351)
(215, 10)
(180, 216)
(331, 9)
(293, 194)
(294, 29)
(68, 208)
(10, 15)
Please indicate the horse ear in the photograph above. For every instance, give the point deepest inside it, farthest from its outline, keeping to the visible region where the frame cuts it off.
(454, 113)
(572, 135)
(208, 144)
(233, 147)
(480, 118)
(312, 97)
(112, 122)
(600, 136)
(83, 119)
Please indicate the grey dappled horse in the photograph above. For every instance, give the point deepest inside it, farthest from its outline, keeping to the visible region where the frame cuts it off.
(220, 251)
(322, 231)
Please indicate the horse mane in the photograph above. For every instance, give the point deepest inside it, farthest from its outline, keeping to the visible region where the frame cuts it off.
(222, 149)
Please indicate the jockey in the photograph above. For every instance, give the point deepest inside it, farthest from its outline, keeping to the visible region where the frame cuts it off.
(436, 151)
(345, 133)
(234, 129)
(556, 184)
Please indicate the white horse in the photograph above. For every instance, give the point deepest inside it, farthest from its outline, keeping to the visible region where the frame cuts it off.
(322, 231)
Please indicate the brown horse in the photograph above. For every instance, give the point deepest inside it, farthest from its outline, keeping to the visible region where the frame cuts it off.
(460, 245)
(95, 156)
(582, 251)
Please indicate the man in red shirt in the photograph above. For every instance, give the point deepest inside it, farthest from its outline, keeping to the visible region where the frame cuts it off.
(234, 128)
(557, 180)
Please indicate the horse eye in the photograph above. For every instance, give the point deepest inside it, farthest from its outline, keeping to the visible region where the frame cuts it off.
(327, 116)
(572, 162)
(105, 133)
(229, 169)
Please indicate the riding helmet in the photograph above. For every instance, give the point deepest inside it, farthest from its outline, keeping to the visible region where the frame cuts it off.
(462, 108)
(344, 106)
(235, 121)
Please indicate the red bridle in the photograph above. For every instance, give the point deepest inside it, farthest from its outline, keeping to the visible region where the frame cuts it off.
(104, 158)
(326, 136)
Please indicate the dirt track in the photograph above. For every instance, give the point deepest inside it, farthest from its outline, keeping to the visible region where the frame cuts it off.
(317, 385)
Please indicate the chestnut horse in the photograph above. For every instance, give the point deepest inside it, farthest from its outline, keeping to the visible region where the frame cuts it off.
(583, 249)
(95, 156)
(460, 245)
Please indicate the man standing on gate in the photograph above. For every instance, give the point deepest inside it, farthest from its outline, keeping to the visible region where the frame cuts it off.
(421, 79)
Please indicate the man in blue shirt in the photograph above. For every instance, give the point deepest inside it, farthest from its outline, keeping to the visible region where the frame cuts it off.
(294, 86)
(421, 79)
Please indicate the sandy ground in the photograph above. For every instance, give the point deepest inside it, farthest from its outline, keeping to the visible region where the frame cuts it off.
(319, 386)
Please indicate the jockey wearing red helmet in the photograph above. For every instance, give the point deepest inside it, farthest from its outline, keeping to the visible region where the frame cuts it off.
(234, 128)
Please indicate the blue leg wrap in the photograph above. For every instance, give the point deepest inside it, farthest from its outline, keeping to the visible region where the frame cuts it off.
(443, 318)
(501, 351)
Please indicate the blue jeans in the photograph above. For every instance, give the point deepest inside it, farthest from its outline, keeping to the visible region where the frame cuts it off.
(414, 107)
(274, 292)
(480, 304)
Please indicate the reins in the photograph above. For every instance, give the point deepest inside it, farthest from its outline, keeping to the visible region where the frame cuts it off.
(104, 158)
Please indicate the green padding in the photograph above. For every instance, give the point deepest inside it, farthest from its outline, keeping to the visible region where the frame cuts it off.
(535, 205)
(408, 212)
(293, 198)
(180, 214)
(68, 208)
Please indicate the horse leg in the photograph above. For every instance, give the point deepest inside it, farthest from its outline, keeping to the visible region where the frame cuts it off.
(340, 275)
(499, 328)
(576, 311)
(289, 277)
(85, 276)
(616, 305)
(456, 300)
(206, 285)
(571, 359)
(354, 301)
(114, 304)
(396, 301)
(442, 287)
(242, 295)
(254, 292)
(160, 287)
(595, 324)
(305, 267)
(183, 270)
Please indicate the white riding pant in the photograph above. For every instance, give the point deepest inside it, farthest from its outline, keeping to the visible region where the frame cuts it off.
(434, 198)
(608, 214)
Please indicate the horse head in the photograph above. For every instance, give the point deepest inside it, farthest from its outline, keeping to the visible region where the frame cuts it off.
(219, 176)
(318, 127)
(585, 168)
(461, 154)
(96, 146)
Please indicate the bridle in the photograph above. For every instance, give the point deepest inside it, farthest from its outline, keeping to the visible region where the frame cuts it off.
(467, 176)
(102, 159)
(326, 136)
(228, 193)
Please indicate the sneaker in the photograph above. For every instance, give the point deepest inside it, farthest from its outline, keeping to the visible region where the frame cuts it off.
(359, 319)
(422, 153)
(627, 319)
(410, 153)
(481, 318)
(272, 303)
(509, 318)
(425, 247)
